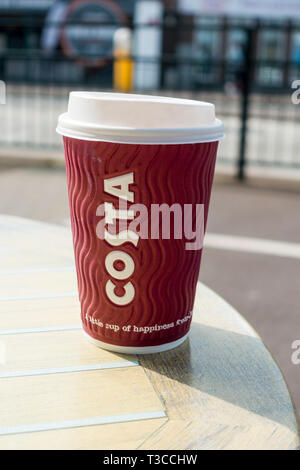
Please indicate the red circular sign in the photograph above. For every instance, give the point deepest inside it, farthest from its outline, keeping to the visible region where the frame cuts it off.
(89, 27)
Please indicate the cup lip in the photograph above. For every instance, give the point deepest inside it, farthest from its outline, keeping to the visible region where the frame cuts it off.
(146, 136)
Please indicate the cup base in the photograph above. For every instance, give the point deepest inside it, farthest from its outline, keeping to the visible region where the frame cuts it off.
(136, 350)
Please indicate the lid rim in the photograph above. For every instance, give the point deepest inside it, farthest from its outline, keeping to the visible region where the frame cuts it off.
(76, 124)
(126, 118)
(216, 134)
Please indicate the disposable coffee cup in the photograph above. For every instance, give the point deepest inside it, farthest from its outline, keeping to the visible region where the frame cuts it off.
(139, 170)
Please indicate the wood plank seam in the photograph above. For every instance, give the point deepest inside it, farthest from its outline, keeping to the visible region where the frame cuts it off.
(47, 329)
(36, 270)
(37, 297)
(159, 396)
(154, 433)
(64, 370)
(78, 423)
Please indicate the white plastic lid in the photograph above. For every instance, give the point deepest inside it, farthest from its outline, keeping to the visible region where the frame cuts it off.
(145, 119)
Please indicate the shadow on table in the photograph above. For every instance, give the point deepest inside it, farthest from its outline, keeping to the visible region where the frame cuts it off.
(230, 366)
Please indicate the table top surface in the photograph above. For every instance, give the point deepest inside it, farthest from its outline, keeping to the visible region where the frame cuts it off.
(221, 389)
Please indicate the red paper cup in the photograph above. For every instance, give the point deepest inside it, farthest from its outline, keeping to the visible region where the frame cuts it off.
(138, 188)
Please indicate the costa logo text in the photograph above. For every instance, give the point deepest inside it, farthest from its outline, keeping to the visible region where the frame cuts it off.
(119, 264)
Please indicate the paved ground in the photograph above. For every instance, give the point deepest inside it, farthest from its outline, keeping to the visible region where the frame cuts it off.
(263, 287)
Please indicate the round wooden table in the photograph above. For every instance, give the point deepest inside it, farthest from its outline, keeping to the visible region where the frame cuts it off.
(220, 390)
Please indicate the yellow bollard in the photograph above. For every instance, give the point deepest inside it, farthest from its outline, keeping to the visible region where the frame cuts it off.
(123, 63)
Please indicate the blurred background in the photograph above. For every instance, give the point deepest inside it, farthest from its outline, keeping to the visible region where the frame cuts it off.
(244, 56)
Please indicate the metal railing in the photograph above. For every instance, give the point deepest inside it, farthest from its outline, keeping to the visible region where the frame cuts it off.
(252, 92)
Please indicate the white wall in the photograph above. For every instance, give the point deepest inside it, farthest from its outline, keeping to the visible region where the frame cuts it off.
(253, 8)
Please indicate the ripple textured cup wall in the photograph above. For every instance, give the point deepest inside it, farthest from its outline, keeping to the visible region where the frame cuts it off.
(165, 274)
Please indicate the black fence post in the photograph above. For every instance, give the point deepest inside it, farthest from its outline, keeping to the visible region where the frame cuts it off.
(247, 75)
(170, 28)
(3, 59)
